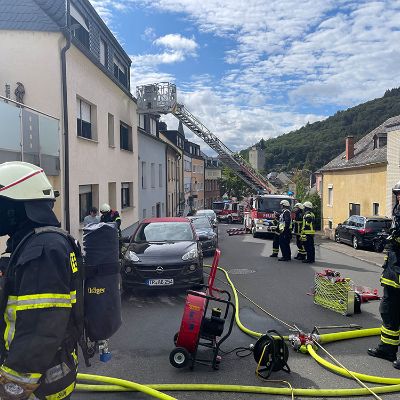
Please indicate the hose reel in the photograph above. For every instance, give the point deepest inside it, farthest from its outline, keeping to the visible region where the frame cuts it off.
(272, 353)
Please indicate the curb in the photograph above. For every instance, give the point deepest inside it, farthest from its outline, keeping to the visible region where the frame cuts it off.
(350, 255)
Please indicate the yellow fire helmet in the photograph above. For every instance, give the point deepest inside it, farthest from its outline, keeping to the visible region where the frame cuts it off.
(22, 181)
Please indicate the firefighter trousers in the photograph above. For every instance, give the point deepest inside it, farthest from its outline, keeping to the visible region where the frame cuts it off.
(390, 314)
(275, 244)
(284, 244)
(300, 248)
(310, 248)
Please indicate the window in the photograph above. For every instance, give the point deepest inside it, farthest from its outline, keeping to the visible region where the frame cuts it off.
(169, 170)
(125, 136)
(153, 211)
(354, 209)
(84, 119)
(120, 72)
(153, 126)
(142, 121)
(375, 208)
(111, 130)
(126, 194)
(153, 175)
(88, 197)
(103, 53)
(80, 27)
(160, 175)
(144, 177)
(330, 195)
(144, 213)
(330, 224)
(112, 194)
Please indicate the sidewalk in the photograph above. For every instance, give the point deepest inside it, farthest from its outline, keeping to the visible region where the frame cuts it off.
(368, 256)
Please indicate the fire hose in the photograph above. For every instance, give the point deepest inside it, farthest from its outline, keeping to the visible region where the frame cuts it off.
(109, 384)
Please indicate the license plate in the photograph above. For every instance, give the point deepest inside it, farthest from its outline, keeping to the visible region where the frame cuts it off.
(160, 282)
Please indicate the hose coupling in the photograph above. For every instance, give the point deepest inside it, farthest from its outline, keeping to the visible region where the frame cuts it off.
(300, 339)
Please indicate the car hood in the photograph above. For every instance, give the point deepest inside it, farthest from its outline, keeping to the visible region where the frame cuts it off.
(162, 249)
(205, 232)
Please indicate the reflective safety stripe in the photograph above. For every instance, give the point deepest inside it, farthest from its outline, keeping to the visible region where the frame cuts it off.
(308, 227)
(275, 251)
(389, 282)
(389, 332)
(390, 341)
(32, 302)
(32, 378)
(63, 393)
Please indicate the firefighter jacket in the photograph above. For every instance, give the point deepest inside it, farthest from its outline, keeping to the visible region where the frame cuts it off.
(307, 227)
(39, 331)
(285, 221)
(112, 216)
(298, 222)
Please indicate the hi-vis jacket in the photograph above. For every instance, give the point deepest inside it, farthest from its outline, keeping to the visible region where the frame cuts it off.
(285, 221)
(298, 222)
(39, 329)
(307, 227)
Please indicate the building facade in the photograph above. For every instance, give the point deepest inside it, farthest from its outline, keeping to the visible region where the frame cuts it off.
(359, 181)
(152, 169)
(194, 178)
(257, 158)
(212, 179)
(82, 79)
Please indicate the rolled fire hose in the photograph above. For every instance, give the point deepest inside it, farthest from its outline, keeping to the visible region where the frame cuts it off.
(110, 384)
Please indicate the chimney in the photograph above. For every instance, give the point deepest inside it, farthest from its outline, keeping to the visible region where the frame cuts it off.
(349, 147)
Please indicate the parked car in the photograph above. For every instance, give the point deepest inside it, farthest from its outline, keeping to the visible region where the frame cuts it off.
(206, 233)
(163, 252)
(362, 231)
(208, 213)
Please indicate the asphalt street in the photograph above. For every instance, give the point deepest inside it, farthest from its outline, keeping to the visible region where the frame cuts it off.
(142, 346)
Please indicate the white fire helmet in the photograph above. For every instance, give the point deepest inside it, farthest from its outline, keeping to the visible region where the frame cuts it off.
(22, 181)
(105, 208)
(307, 204)
(285, 203)
(299, 205)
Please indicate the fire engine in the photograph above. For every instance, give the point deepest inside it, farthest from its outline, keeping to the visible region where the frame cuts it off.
(258, 217)
(233, 212)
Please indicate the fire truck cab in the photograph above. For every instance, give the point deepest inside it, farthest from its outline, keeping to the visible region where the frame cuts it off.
(260, 214)
(233, 212)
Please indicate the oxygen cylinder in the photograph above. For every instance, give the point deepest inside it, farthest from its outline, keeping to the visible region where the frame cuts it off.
(102, 275)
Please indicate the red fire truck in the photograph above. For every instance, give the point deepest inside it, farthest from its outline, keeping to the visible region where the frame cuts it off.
(233, 212)
(260, 214)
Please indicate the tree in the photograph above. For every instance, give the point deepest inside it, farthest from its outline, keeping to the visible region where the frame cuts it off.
(232, 184)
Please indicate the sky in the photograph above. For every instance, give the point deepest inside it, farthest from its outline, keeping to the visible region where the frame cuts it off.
(259, 68)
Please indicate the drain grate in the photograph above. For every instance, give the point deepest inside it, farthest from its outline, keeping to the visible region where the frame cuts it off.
(241, 271)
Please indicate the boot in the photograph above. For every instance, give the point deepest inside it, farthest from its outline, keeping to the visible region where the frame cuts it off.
(283, 259)
(274, 255)
(396, 364)
(377, 352)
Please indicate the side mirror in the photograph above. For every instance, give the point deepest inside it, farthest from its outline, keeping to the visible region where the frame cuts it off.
(202, 238)
(125, 239)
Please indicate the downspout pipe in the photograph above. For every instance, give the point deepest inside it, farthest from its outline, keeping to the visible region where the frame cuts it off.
(67, 33)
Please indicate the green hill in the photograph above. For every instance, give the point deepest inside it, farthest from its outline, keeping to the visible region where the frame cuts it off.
(314, 145)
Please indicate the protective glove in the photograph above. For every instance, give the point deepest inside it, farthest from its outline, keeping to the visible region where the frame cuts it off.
(12, 390)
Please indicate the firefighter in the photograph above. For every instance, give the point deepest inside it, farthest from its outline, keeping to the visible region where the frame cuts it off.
(308, 232)
(275, 232)
(390, 304)
(298, 222)
(285, 231)
(40, 327)
(109, 215)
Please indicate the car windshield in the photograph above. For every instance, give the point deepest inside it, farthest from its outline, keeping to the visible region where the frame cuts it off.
(164, 232)
(271, 204)
(378, 224)
(202, 222)
(208, 213)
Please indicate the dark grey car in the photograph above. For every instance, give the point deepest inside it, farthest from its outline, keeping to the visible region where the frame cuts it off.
(206, 233)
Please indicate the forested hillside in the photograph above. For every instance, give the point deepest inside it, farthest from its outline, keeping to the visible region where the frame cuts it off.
(313, 145)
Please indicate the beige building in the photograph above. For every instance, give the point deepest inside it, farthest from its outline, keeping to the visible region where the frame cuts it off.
(257, 158)
(212, 179)
(359, 181)
(98, 122)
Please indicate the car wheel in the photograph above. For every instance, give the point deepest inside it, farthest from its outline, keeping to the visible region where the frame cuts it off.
(355, 243)
(378, 246)
(179, 357)
(229, 220)
(337, 237)
(254, 232)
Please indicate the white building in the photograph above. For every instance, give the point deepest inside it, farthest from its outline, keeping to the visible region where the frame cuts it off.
(85, 84)
(152, 169)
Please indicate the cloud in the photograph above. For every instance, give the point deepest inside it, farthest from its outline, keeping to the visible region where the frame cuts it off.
(177, 42)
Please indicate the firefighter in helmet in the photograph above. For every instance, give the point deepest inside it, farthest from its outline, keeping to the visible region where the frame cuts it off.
(275, 232)
(39, 328)
(285, 231)
(390, 304)
(308, 232)
(298, 222)
(109, 215)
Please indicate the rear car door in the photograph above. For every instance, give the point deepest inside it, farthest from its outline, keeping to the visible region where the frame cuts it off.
(350, 228)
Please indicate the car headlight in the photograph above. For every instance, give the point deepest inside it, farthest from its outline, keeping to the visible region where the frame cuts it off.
(131, 256)
(190, 255)
(260, 221)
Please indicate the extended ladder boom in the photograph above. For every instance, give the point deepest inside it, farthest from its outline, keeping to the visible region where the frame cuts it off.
(160, 98)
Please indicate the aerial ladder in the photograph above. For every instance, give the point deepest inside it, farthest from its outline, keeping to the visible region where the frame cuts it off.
(161, 98)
